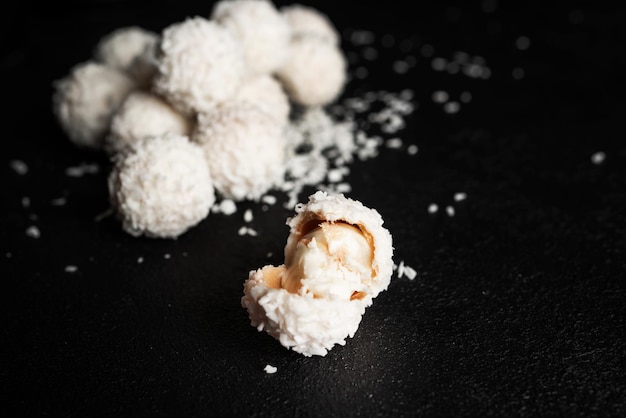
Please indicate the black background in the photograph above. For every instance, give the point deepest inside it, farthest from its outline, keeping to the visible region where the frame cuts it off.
(518, 305)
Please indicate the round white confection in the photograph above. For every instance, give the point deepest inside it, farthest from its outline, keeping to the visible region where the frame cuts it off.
(144, 114)
(315, 72)
(306, 20)
(265, 92)
(307, 325)
(261, 28)
(131, 49)
(85, 101)
(244, 148)
(160, 186)
(338, 208)
(200, 64)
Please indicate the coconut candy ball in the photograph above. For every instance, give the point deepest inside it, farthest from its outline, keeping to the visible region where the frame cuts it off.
(244, 149)
(264, 33)
(338, 257)
(85, 101)
(306, 21)
(144, 114)
(200, 64)
(160, 186)
(265, 92)
(130, 49)
(315, 72)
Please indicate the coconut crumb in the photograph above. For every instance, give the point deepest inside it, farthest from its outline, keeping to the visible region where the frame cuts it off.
(82, 169)
(598, 157)
(460, 196)
(247, 215)
(167, 256)
(71, 268)
(139, 260)
(33, 232)
(60, 201)
(269, 369)
(244, 230)
(25, 202)
(19, 167)
(450, 211)
(433, 208)
(412, 149)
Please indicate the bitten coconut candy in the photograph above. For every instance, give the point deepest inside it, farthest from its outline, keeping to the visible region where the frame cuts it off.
(338, 258)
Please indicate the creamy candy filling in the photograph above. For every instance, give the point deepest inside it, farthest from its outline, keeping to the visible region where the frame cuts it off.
(332, 261)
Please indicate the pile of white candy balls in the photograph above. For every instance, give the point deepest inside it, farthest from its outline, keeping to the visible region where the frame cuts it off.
(200, 110)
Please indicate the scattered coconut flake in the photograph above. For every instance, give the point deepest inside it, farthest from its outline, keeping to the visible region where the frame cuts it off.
(19, 167)
(167, 256)
(59, 201)
(400, 67)
(412, 149)
(598, 157)
(269, 369)
(244, 230)
(71, 269)
(440, 96)
(247, 215)
(451, 107)
(433, 208)
(522, 43)
(25, 202)
(403, 270)
(450, 211)
(268, 199)
(466, 97)
(394, 143)
(33, 232)
(226, 206)
(82, 169)
(139, 260)
(438, 64)
(460, 196)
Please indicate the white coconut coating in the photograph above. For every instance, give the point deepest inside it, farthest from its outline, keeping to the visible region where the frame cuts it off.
(244, 149)
(131, 49)
(200, 64)
(85, 101)
(315, 72)
(161, 186)
(338, 257)
(307, 325)
(265, 92)
(144, 114)
(307, 20)
(260, 27)
(324, 207)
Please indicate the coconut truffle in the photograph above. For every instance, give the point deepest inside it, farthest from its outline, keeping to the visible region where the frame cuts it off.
(130, 49)
(307, 21)
(338, 257)
(85, 101)
(265, 92)
(200, 64)
(160, 186)
(315, 72)
(144, 114)
(264, 33)
(244, 149)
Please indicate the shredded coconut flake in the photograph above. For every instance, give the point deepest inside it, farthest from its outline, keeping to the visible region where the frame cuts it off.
(247, 215)
(71, 269)
(450, 211)
(82, 169)
(19, 167)
(598, 157)
(433, 208)
(33, 232)
(269, 369)
(460, 196)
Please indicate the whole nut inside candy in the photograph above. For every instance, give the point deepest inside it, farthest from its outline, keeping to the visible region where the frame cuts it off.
(329, 261)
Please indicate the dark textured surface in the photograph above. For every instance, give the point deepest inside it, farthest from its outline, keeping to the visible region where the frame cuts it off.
(518, 305)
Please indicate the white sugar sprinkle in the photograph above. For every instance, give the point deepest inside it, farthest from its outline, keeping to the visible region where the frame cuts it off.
(19, 167)
(450, 211)
(269, 369)
(33, 232)
(71, 269)
(433, 208)
(460, 196)
(598, 157)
